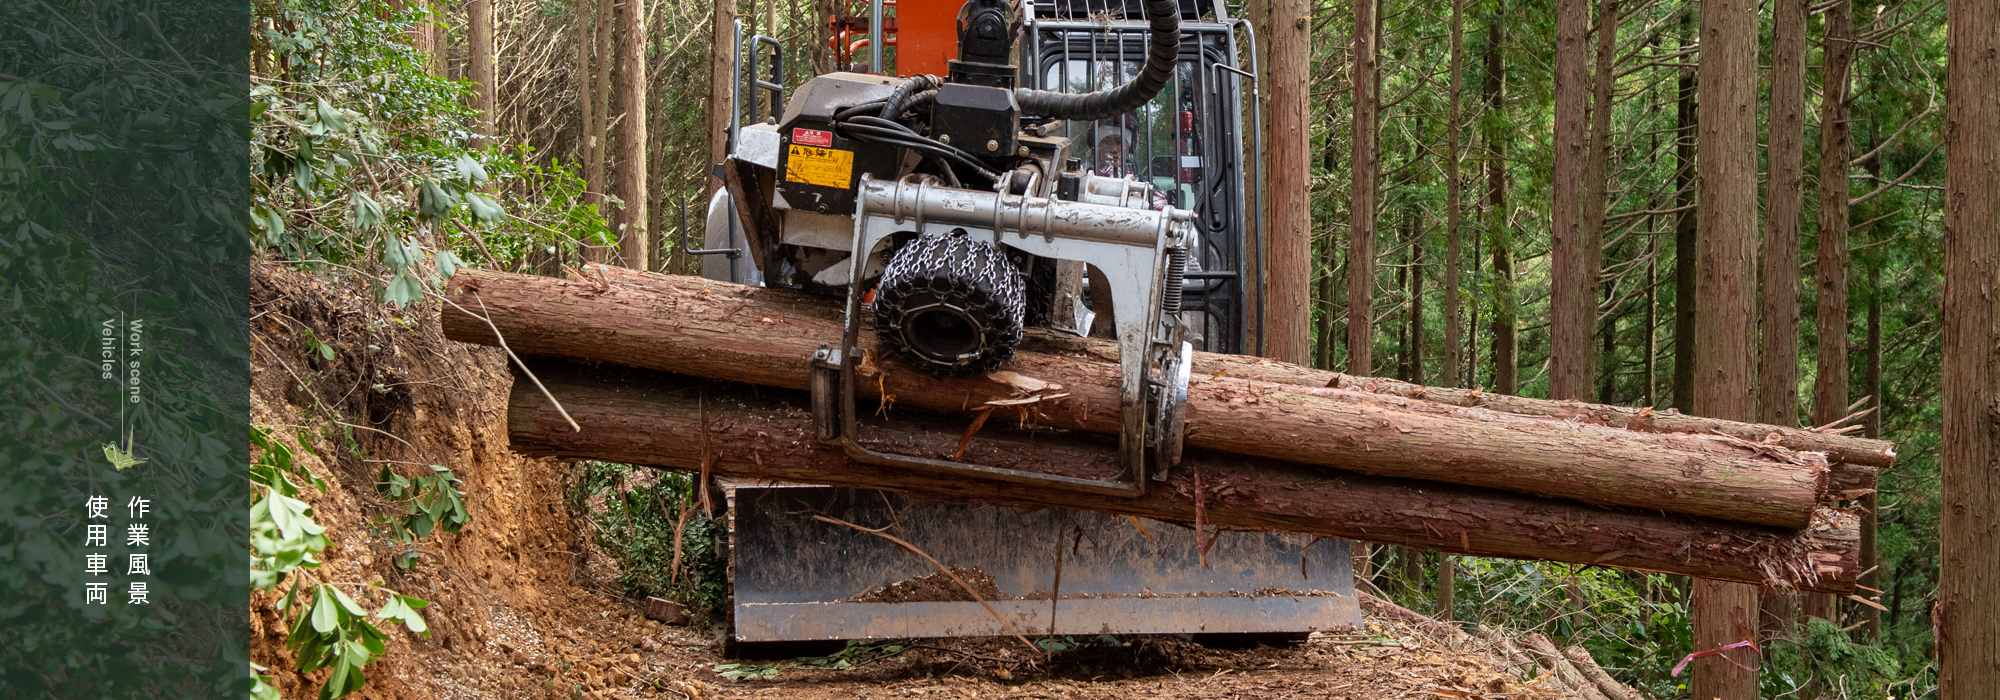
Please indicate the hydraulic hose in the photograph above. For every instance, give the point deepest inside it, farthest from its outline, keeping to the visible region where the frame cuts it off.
(900, 98)
(1165, 47)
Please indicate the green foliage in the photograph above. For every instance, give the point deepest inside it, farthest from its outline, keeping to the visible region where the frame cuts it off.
(332, 629)
(353, 170)
(121, 149)
(639, 524)
(1826, 659)
(434, 502)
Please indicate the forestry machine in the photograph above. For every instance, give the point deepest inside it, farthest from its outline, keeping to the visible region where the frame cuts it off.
(956, 211)
(1079, 166)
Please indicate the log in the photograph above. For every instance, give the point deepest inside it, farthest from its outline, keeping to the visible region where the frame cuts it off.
(1571, 677)
(764, 336)
(1839, 448)
(1855, 461)
(658, 419)
(1610, 687)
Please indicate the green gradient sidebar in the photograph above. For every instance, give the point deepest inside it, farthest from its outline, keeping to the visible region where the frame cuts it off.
(124, 260)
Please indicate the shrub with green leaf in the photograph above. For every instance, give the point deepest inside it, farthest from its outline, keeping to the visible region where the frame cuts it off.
(331, 630)
(364, 162)
(640, 525)
(434, 502)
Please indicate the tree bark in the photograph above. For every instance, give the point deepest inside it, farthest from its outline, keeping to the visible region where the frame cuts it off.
(761, 336)
(1830, 387)
(1871, 618)
(634, 246)
(1452, 254)
(1574, 247)
(1778, 366)
(1968, 614)
(1725, 303)
(479, 65)
(1830, 377)
(1499, 232)
(1361, 211)
(589, 135)
(1447, 584)
(720, 84)
(1848, 452)
(1288, 222)
(1778, 359)
(640, 417)
(1612, 689)
(1413, 322)
(1597, 183)
(1651, 345)
(1685, 230)
(1566, 673)
(422, 32)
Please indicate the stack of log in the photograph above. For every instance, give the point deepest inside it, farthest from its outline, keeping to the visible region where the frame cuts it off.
(1271, 445)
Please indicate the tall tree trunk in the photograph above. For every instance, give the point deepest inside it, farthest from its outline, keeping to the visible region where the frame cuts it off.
(1596, 182)
(1830, 388)
(1778, 370)
(436, 24)
(1968, 616)
(1413, 570)
(1452, 254)
(1607, 355)
(1685, 232)
(1572, 249)
(479, 68)
(1361, 212)
(1447, 583)
(421, 31)
(1288, 222)
(1778, 361)
(1413, 353)
(1328, 290)
(1726, 321)
(1902, 577)
(720, 83)
(1651, 345)
(1871, 618)
(633, 243)
(1499, 234)
(589, 135)
(1830, 384)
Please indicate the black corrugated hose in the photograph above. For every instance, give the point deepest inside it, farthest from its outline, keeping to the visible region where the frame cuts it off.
(1161, 52)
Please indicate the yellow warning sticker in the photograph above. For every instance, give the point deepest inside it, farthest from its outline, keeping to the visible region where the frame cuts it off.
(826, 167)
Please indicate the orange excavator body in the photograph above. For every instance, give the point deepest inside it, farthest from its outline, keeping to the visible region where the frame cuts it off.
(926, 36)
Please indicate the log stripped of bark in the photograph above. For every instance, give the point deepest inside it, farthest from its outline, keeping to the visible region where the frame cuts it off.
(641, 417)
(762, 336)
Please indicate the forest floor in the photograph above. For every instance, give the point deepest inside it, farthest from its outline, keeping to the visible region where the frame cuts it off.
(523, 605)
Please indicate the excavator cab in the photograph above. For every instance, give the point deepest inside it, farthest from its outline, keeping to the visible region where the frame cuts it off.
(1081, 166)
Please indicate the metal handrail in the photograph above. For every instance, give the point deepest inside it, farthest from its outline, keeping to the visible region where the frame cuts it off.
(735, 86)
(1256, 172)
(689, 248)
(776, 85)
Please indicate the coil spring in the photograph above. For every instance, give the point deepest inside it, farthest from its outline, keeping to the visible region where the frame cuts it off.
(1177, 259)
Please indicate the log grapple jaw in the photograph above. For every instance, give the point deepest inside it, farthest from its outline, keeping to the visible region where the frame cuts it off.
(947, 212)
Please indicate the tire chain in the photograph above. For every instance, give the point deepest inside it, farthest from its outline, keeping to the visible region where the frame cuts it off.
(954, 270)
